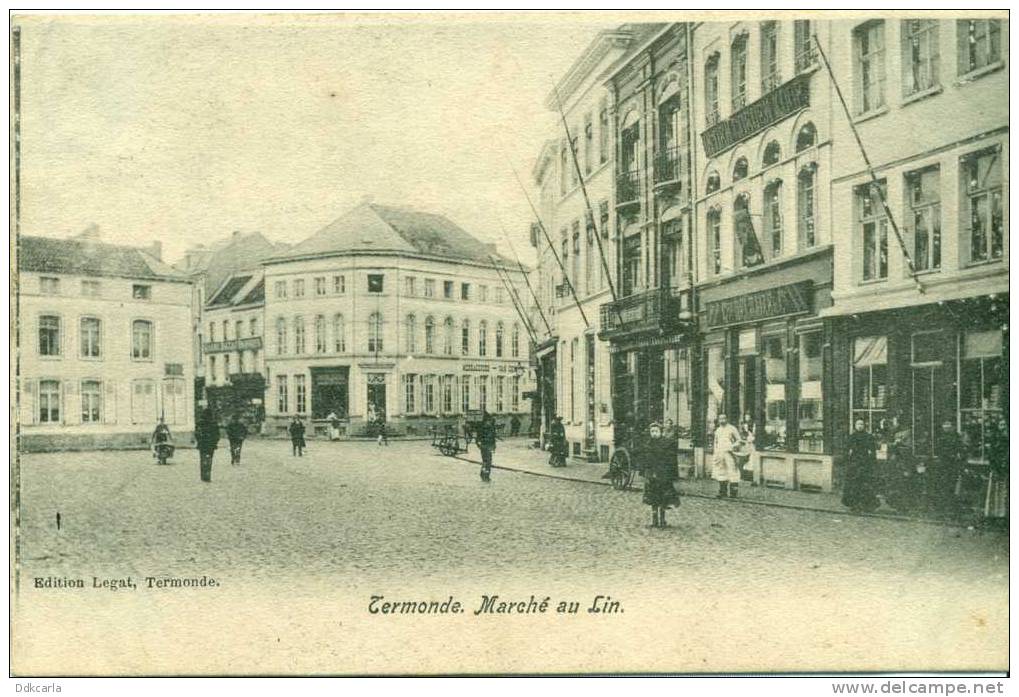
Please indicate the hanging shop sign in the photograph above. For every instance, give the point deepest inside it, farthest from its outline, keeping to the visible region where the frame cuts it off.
(770, 303)
(774, 106)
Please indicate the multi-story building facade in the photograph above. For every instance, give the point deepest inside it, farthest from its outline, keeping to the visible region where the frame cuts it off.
(915, 347)
(104, 348)
(763, 248)
(395, 314)
(575, 360)
(234, 350)
(209, 267)
(649, 326)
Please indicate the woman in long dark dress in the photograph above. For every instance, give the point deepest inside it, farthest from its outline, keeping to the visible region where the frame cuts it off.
(661, 472)
(858, 493)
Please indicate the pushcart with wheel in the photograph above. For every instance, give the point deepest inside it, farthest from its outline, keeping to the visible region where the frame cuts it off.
(623, 466)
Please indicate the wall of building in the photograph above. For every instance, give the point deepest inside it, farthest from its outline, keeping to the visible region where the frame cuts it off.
(390, 364)
(135, 392)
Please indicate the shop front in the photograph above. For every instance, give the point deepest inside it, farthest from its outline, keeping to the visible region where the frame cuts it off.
(906, 372)
(653, 359)
(766, 365)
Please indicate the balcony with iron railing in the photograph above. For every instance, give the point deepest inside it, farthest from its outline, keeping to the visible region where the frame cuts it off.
(655, 310)
(670, 164)
(806, 57)
(627, 187)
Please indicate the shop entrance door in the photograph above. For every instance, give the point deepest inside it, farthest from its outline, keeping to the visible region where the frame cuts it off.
(376, 397)
(933, 388)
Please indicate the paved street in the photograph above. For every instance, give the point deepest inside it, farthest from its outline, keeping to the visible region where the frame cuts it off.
(351, 519)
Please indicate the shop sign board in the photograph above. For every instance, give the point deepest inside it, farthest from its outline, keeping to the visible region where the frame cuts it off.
(770, 303)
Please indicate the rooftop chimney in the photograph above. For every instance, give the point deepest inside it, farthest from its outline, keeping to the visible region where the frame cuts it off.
(89, 233)
(156, 250)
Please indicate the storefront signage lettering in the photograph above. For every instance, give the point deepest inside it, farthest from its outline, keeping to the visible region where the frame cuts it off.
(475, 368)
(251, 343)
(785, 300)
(756, 116)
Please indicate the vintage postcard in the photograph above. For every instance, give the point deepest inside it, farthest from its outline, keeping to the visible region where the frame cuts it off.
(500, 343)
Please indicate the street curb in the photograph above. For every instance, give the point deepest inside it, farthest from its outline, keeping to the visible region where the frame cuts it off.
(772, 504)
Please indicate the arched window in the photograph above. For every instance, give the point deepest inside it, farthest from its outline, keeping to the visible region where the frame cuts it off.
(321, 343)
(772, 153)
(298, 335)
(748, 248)
(375, 333)
(711, 90)
(714, 183)
(447, 336)
(515, 341)
(740, 169)
(807, 137)
(141, 339)
(805, 222)
(773, 218)
(482, 338)
(281, 336)
(410, 329)
(738, 58)
(498, 339)
(339, 334)
(715, 240)
(465, 338)
(429, 335)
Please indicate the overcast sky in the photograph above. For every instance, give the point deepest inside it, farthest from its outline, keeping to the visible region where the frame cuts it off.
(182, 131)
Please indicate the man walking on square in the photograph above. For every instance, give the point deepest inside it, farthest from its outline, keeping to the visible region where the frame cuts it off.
(236, 432)
(207, 438)
(486, 442)
(296, 429)
(724, 467)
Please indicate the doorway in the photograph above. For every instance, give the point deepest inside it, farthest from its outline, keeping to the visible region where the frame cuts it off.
(376, 397)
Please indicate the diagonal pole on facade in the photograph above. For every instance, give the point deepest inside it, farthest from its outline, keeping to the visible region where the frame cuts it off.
(511, 288)
(590, 211)
(875, 185)
(527, 282)
(504, 279)
(548, 239)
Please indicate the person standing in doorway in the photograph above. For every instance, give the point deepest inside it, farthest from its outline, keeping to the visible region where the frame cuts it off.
(950, 460)
(297, 436)
(334, 426)
(858, 494)
(661, 473)
(486, 442)
(207, 438)
(725, 469)
(236, 432)
(514, 425)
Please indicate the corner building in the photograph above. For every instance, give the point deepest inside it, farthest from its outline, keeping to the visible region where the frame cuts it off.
(392, 313)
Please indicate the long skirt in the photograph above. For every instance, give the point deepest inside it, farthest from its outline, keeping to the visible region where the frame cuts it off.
(660, 492)
(724, 467)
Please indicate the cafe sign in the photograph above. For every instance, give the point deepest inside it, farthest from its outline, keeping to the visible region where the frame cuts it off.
(770, 303)
(774, 106)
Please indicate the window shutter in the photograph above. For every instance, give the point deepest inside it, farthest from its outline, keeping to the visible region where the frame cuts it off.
(71, 403)
(29, 390)
(109, 402)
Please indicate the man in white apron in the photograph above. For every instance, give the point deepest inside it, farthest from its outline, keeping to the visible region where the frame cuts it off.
(724, 468)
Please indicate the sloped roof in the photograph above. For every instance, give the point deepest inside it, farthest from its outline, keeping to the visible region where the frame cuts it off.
(241, 289)
(231, 255)
(371, 227)
(231, 288)
(90, 258)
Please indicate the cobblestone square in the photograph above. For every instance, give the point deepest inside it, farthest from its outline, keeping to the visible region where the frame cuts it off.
(295, 541)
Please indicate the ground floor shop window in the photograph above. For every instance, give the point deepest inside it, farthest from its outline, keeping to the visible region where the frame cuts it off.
(676, 398)
(810, 406)
(409, 384)
(500, 395)
(465, 395)
(482, 383)
(91, 401)
(282, 394)
(428, 392)
(870, 380)
(715, 366)
(447, 394)
(982, 392)
(775, 383)
(300, 395)
(515, 393)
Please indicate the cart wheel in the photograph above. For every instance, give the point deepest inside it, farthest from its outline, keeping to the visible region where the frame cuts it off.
(619, 466)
